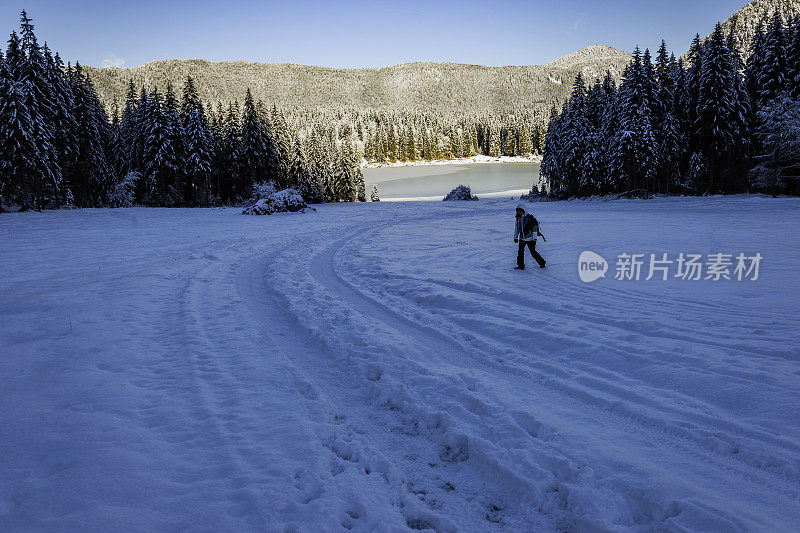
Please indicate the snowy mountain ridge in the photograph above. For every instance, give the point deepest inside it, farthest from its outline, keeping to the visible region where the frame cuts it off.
(444, 87)
(744, 22)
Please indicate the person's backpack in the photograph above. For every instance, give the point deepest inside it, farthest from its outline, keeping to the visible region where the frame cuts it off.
(530, 226)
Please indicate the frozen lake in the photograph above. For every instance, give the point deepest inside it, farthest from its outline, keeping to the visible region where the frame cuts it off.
(435, 181)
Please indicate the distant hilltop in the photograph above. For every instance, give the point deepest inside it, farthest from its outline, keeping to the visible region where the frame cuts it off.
(593, 54)
(744, 23)
(449, 88)
(441, 87)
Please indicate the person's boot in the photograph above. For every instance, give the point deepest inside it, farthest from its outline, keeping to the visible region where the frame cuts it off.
(519, 267)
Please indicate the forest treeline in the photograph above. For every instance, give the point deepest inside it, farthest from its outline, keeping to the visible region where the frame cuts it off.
(413, 111)
(59, 147)
(717, 120)
(718, 124)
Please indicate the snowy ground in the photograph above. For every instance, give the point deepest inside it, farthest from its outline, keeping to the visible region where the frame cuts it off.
(382, 367)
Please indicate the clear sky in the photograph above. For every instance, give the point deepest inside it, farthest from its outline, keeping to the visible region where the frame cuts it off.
(358, 33)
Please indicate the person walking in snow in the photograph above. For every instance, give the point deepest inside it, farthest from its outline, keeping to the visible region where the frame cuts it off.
(526, 229)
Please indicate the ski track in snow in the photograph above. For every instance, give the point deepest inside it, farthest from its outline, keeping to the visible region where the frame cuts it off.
(369, 368)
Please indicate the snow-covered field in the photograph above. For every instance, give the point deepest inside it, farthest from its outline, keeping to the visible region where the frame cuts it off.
(378, 367)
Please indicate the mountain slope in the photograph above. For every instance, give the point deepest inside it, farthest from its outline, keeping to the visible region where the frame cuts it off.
(442, 87)
(744, 22)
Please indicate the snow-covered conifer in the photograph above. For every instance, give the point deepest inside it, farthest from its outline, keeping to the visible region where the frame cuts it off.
(92, 178)
(162, 165)
(198, 148)
(792, 80)
(718, 115)
(772, 74)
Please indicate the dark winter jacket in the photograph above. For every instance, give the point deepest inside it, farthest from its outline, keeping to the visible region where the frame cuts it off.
(526, 228)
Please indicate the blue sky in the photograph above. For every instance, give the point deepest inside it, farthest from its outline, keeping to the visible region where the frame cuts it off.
(358, 33)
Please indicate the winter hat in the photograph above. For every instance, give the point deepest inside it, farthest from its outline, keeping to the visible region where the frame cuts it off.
(521, 206)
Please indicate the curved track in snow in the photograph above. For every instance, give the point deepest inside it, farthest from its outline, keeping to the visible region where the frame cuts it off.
(483, 391)
(382, 367)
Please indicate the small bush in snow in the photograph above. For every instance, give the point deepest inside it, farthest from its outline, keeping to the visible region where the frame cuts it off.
(537, 194)
(69, 200)
(634, 194)
(374, 196)
(263, 190)
(462, 192)
(124, 191)
(277, 202)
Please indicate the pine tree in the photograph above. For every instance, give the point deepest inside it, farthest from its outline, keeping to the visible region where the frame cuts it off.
(592, 165)
(283, 145)
(403, 144)
(325, 168)
(128, 125)
(116, 152)
(777, 168)
(4, 184)
(411, 144)
(319, 172)
(467, 148)
(455, 141)
(718, 116)
(374, 197)
(216, 120)
(344, 178)
(299, 177)
(182, 185)
(274, 162)
(353, 162)
(230, 186)
(695, 58)
(634, 151)
(551, 167)
(792, 81)
(92, 178)
(63, 121)
(771, 76)
(381, 143)
(199, 148)
(669, 154)
(137, 130)
(493, 142)
(162, 165)
(170, 100)
(17, 141)
(664, 121)
(43, 174)
(575, 126)
(609, 125)
(743, 119)
(391, 140)
(755, 64)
